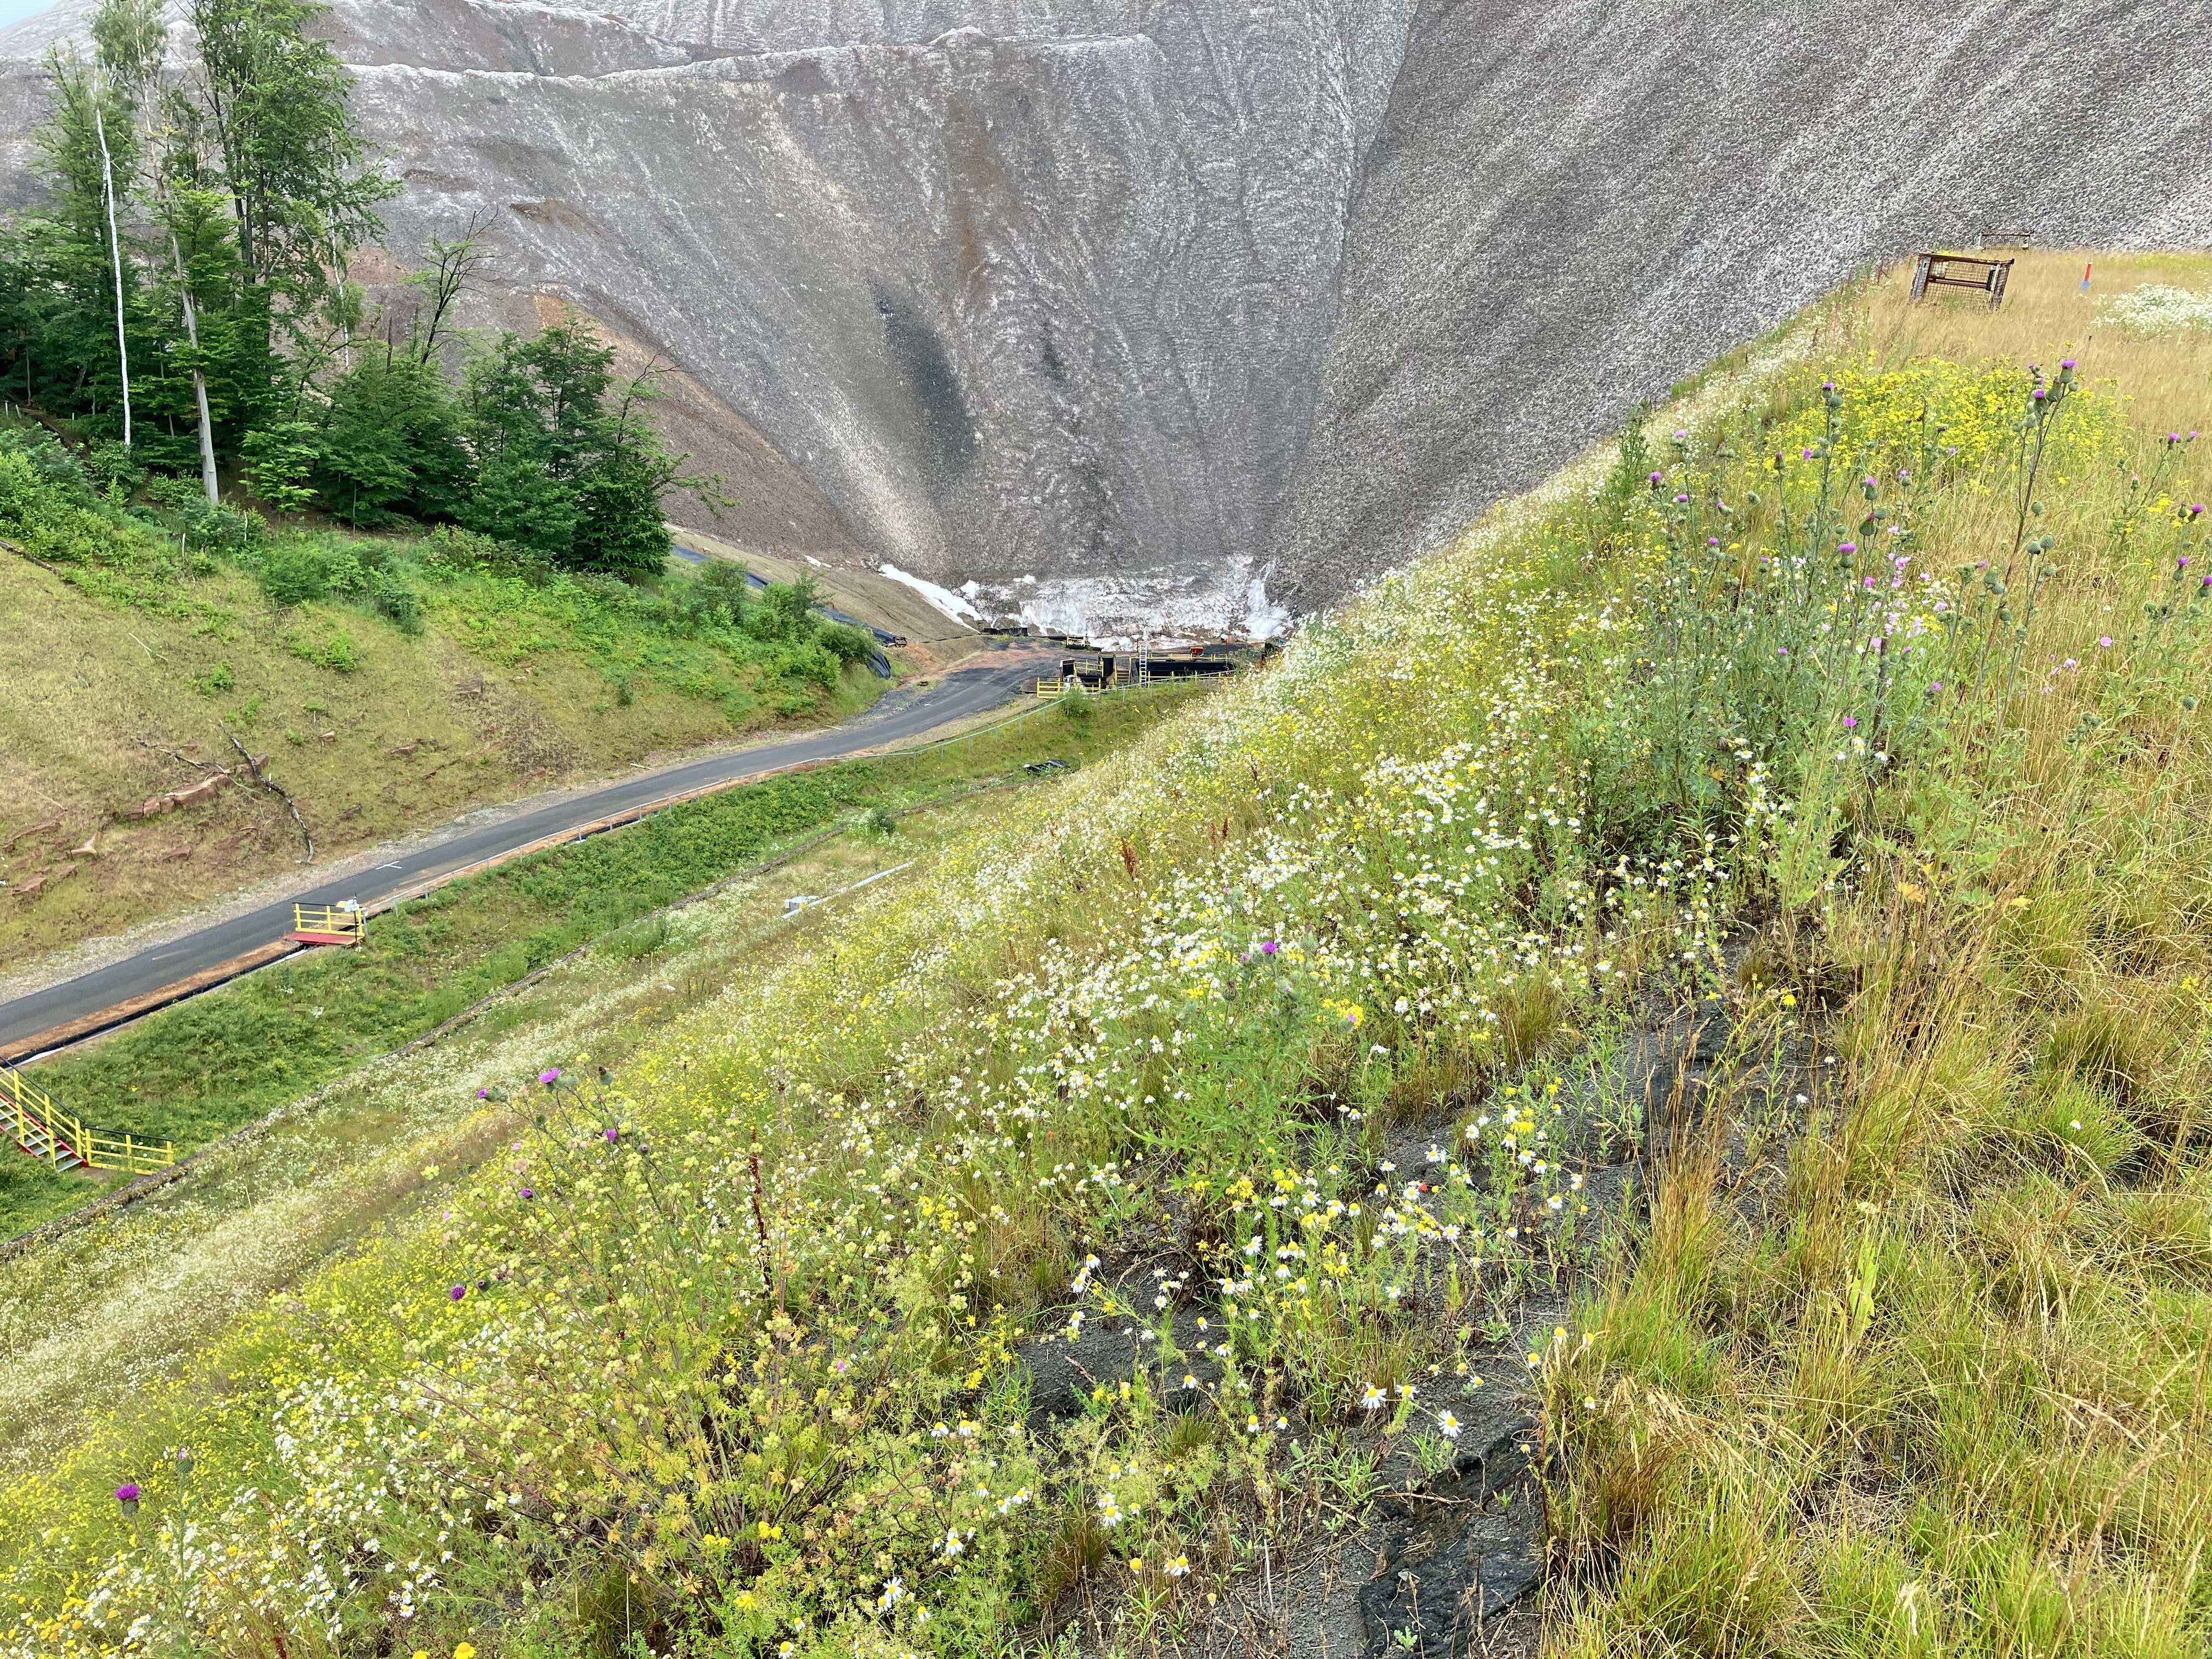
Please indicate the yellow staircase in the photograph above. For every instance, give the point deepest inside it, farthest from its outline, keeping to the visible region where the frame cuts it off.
(53, 1135)
(326, 924)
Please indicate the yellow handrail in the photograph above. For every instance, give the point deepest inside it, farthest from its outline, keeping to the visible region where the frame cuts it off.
(42, 1127)
(328, 919)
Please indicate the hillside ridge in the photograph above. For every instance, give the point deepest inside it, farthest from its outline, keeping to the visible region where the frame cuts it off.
(1149, 324)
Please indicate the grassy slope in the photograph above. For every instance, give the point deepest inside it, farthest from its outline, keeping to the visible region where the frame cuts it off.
(1949, 1394)
(498, 698)
(1933, 1393)
(115, 1307)
(195, 1072)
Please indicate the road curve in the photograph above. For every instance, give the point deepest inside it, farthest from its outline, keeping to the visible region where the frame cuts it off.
(959, 695)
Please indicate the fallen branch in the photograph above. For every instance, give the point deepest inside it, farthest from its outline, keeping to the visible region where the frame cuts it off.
(182, 760)
(22, 553)
(40, 828)
(274, 788)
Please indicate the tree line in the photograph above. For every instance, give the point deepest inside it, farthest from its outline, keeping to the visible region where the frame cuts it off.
(181, 301)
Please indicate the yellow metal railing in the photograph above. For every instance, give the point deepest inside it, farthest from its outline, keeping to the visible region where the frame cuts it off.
(44, 1129)
(345, 920)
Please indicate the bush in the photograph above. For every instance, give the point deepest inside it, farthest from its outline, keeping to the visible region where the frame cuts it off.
(52, 462)
(48, 506)
(396, 600)
(453, 551)
(221, 530)
(845, 642)
(784, 611)
(334, 650)
(297, 570)
(115, 466)
(171, 492)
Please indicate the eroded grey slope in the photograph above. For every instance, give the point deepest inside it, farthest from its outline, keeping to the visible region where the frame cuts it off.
(1575, 203)
(1113, 305)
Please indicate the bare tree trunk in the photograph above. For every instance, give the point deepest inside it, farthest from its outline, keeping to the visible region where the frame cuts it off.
(115, 253)
(199, 380)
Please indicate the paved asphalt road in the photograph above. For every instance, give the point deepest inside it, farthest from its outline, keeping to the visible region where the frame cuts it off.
(968, 692)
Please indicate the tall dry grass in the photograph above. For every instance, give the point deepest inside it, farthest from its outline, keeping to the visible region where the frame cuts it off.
(1947, 1389)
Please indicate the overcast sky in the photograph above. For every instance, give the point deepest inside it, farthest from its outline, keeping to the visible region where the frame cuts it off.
(13, 11)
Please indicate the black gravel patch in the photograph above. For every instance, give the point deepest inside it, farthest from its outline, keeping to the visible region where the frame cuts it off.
(1470, 1547)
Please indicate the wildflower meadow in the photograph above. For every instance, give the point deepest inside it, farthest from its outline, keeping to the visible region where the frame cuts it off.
(1245, 1091)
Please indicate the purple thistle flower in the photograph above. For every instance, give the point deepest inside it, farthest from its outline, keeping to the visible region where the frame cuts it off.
(483, 1094)
(2039, 394)
(1851, 722)
(1268, 947)
(528, 1193)
(613, 1134)
(553, 1076)
(457, 1292)
(1849, 547)
(2066, 363)
(127, 1493)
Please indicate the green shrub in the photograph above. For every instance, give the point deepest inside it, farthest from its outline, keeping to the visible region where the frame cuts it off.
(845, 642)
(221, 530)
(335, 650)
(115, 467)
(397, 600)
(453, 551)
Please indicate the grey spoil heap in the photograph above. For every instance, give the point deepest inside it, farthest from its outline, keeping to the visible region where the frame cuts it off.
(1126, 311)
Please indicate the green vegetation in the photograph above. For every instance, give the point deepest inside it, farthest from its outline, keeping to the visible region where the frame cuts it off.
(200, 223)
(201, 216)
(1857, 709)
(194, 1072)
(391, 680)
